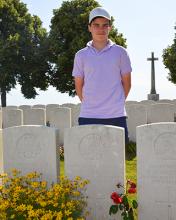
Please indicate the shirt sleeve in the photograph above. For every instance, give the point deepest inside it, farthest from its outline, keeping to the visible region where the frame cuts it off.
(125, 63)
(78, 66)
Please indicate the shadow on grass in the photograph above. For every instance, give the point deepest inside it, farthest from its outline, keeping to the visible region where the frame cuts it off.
(130, 151)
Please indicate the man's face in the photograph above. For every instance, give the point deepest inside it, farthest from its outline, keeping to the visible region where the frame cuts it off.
(99, 28)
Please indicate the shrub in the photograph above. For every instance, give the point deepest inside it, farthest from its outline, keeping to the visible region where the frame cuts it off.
(28, 197)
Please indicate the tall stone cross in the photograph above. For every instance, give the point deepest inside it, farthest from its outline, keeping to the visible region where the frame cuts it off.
(153, 95)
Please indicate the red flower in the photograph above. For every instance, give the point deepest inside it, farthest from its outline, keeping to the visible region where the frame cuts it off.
(132, 190)
(132, 185)
(116, 198)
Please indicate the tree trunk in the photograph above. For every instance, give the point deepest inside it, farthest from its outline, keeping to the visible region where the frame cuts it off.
(3, 98)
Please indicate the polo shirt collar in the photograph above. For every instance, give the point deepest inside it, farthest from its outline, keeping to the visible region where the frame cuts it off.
(110, 44)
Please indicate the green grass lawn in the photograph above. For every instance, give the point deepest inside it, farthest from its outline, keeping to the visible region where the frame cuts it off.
(130, 169)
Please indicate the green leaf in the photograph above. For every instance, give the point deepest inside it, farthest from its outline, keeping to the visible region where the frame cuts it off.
(113, 209)
(126, 203)
(135, 204)
(125, 200)
(125, 216)
(121, 206)
(130, 214)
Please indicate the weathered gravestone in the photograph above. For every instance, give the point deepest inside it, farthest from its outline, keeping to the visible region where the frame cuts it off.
(0, 119)
(24, 107)
(147, 102)
(60, 118)
(96, 153)
(34, 116)
(137, 115)
(162, 112)
(39, 106)
(10, 107)
(31, 148)
(164, 101)
(13, 117)
(156, 171)
(75, 111)
(49, 109)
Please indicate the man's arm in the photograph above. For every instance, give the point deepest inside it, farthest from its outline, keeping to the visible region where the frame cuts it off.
(126, 82)
(79, 82)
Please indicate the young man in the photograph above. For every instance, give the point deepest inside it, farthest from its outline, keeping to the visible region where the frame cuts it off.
(102, 73)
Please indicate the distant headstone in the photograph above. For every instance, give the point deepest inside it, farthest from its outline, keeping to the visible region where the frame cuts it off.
(1, 154)
(13, 117)
(131, 102)
(164, 101)
(34, 116)
(24, 107)
(161, 112)
(96, 153)
(10, 107)
(75, 111)
(39, 106)
(31, 148)
(147, 102)
(60, 118)
(49, 109)
(156, 165)
(136, 115)
(0, 119)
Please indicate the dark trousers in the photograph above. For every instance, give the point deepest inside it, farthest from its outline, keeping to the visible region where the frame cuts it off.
(120, 122)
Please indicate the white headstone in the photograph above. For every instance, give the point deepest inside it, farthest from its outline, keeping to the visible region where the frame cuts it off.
(147, 102)
(131, 102)
(68, 105)
(24, 107)
(137, 115)
(31, 148)
(13, 117)
(96, 153)
(75, 111)
(39, 106)
(156, 171)
(60, 118)
(161, 112)
(164, 101)
(49, 109)
(34, 116)
(1, 154)
(10, 107)
(0, 119)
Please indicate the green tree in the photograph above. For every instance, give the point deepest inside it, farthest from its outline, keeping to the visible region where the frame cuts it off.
(169, 60)
(68, 34)
(23, 50)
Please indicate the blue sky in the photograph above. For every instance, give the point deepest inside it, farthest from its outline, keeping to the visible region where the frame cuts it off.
(148, 27)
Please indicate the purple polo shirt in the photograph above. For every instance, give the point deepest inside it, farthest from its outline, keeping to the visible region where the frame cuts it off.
(103, 94)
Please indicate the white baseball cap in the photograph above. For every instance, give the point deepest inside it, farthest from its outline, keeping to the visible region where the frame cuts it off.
(99, 12)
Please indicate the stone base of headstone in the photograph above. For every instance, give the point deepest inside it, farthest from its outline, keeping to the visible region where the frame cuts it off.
(154, 97)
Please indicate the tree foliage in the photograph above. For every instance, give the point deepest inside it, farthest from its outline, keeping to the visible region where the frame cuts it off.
(23, 50)
(169, 60)
(68, 34)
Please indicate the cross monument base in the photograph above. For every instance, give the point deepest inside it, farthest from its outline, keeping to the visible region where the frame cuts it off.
(154, 97)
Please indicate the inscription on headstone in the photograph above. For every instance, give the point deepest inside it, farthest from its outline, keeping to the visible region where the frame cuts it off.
(156, 171)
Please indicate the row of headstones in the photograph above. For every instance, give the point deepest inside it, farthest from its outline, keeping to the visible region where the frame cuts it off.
(52, 115)
(147, 112)
(61, 117)
(35, 115)
(97, 153)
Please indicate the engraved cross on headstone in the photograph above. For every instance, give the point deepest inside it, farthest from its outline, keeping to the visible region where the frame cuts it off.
(152, 59)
